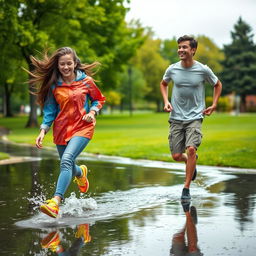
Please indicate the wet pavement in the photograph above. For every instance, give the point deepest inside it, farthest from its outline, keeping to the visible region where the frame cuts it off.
(133, 208)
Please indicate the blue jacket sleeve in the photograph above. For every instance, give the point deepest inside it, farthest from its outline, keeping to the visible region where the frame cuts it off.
(50, 111)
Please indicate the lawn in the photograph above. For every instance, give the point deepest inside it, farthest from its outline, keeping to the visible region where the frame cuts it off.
(228, 140)
(4, 156)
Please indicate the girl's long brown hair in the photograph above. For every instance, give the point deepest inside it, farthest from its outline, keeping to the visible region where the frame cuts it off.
(46, 71)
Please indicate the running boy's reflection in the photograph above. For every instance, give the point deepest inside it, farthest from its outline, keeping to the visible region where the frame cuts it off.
(52, 241)
(179, 247)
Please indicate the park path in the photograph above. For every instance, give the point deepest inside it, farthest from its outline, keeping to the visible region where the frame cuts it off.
(3, 131)
(12, 159)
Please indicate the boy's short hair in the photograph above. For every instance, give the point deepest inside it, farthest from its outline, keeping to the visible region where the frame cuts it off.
(192, 41)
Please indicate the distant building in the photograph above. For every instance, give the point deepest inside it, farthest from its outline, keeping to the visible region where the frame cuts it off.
(250, 103)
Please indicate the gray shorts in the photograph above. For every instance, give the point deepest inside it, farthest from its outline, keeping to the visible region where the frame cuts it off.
(184, 134)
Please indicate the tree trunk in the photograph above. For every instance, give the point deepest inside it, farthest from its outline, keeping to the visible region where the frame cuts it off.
(32, 120)
(121, 106)
(243, 103)
(7, 101)
(158, 106)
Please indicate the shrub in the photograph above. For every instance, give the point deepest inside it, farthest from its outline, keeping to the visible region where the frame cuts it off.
(224, 104)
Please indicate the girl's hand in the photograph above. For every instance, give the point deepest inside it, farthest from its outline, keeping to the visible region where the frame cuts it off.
(90, 117)
(39, 139)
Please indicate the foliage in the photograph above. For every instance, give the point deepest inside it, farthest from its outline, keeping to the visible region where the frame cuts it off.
(209, 53)
(133, 86)
(240, 62)
(169, 50)
(224, 104)
(113, 98)
(96, 29)
(152, 65)
(11, 59)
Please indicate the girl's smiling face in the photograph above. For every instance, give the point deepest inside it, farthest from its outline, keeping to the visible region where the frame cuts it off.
(66, 66)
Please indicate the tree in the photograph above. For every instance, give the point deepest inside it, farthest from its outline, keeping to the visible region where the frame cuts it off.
(240, 63)
(169, 50)
(209, 53)
(133, 87)
(114, 98)
(10, 59)
(152, 65)
(22, 30)
(8, 78)
(114, 41)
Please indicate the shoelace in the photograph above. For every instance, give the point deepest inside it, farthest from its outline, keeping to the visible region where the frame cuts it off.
(52, 202)
(78, 180)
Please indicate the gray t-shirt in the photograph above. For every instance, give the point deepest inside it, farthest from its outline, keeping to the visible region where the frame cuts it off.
(188, 94)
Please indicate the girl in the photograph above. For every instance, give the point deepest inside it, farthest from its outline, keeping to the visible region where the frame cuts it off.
(65, 90)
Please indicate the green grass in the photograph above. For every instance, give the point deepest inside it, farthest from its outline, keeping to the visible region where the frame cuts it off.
(4, 156)
(228, 140)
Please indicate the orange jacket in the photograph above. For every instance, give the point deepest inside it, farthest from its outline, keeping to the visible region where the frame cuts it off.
(67, 104)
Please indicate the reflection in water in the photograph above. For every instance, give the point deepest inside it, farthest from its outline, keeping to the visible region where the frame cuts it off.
(179, 246)
(243, 188)
(53, 241)
(36, 189)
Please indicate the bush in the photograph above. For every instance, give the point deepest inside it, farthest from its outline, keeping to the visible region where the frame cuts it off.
(251, 109)
(224, 104)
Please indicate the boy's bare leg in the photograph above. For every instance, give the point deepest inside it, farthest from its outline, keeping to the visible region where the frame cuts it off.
(190, 165)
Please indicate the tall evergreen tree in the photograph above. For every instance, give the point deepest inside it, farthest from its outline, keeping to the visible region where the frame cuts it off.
(239, 66)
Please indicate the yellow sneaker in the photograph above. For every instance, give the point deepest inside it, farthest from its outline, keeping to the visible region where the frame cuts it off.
(52, 241)
(82, 182)
(83, 230)
(51, 208)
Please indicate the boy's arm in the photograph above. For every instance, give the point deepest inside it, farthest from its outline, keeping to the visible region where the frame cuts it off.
(216, 94)
(164, 92)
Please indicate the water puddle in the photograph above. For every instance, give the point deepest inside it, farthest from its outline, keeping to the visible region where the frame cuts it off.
(133, 208)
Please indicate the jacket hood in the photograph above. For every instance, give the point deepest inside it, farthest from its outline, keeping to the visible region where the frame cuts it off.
(80, 75)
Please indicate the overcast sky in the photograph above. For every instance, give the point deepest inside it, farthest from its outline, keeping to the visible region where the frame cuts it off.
(212, 18)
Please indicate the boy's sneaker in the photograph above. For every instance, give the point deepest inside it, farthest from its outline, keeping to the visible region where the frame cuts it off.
(83, 231)
(195, 171)
(185, 194)
(51, 208)
(82, 182)
(52, 241)
(185, 205)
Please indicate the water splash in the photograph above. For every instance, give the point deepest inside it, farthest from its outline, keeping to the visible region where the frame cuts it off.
(70, 212)
(74, 206)
(109, 205)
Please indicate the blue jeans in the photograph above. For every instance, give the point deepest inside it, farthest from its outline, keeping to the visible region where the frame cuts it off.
(68, 169)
